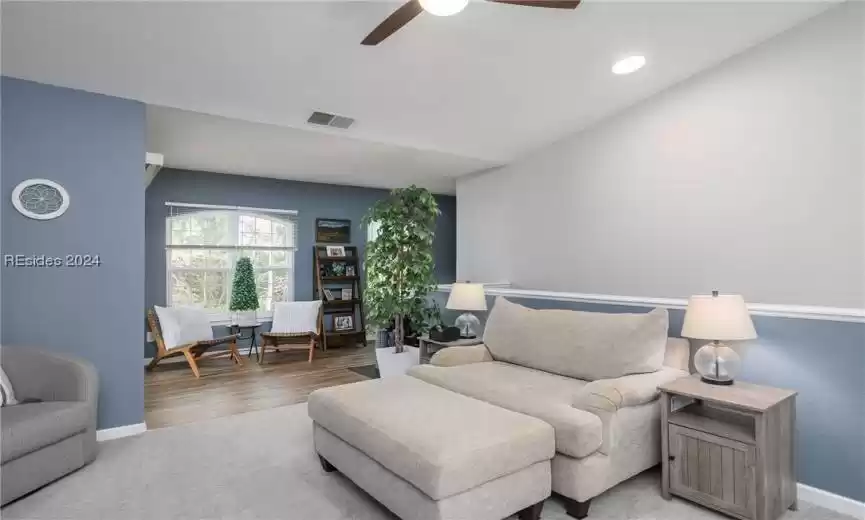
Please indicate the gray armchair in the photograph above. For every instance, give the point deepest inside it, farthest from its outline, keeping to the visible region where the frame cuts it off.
(52, 431)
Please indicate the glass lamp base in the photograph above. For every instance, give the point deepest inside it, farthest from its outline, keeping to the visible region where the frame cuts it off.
(717, 364)
(469, 325)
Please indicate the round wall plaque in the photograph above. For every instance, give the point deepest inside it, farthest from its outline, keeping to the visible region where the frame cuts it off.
(40, 199)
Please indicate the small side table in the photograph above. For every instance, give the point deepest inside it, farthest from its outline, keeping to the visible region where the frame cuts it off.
(253, 333)
(428, 346)
(729, 448)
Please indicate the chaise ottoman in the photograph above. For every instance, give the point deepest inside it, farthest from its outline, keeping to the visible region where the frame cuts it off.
(427, 453)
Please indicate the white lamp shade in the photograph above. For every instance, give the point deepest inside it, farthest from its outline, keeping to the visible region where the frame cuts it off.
(467, 297)
(723, 317)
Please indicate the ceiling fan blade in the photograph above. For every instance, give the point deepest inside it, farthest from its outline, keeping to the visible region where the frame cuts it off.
(394, 22)
(553, 4)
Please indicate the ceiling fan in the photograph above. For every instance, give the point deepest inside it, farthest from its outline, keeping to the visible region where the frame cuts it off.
(408, 11)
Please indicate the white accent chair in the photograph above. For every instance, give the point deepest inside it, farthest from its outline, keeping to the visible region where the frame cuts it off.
(294, 323)
(187, 331)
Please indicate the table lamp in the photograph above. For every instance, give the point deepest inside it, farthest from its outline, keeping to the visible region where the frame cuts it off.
(467, 296)
(719, 317)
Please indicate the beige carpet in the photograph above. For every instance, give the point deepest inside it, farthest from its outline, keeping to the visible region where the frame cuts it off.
(261, 465)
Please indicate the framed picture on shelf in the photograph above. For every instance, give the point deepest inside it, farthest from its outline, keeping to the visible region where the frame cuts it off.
(335, 251)
(350, 270)
(337, 269)
(328, 295)
(332, 231)
(346, 294)
(343, 322)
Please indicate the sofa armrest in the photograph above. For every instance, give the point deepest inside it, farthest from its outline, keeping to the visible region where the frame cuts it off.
(49, 376)
(605, 397)
(453, 356)
(613, 394)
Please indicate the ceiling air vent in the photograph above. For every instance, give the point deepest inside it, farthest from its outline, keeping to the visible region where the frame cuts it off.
(325, 119)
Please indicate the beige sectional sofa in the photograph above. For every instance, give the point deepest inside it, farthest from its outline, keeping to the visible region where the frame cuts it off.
(592, 376)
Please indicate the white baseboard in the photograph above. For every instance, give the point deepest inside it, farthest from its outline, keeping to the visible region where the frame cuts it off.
(837, 503)
(121, 431)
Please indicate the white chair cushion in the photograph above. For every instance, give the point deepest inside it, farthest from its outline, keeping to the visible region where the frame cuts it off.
(295, 317)
(183, 325)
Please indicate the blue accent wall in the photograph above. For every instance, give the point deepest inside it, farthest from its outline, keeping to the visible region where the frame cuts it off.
(310, 200)
(94, 146)
(823, 360)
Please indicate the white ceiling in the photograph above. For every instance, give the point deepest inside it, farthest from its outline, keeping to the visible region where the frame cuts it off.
(198, 141)
(441, 98)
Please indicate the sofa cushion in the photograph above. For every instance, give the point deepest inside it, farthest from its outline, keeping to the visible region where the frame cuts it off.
(32, 426)
(540, 394)
(585, 345)
(442, 442)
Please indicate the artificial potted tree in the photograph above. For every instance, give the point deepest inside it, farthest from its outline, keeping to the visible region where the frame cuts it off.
(244, 296)
(399, 273)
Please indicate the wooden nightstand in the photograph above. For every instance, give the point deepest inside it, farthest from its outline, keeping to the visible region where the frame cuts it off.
(729, 448)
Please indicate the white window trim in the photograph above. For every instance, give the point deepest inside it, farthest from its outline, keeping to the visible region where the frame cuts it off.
(247, 209)
(224, 318)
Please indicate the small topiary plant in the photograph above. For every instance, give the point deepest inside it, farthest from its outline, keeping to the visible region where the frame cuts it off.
(244, 296)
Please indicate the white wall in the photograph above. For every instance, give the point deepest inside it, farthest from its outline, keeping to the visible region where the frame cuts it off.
(747, 178)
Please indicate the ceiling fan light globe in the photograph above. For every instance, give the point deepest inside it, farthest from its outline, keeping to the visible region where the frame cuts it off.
(629, 65)
(443, 7)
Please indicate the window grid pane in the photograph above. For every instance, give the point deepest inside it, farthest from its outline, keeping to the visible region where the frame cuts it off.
(203, 276)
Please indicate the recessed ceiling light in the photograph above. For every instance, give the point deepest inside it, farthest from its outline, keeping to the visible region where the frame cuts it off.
(629, 65)
(443, 7)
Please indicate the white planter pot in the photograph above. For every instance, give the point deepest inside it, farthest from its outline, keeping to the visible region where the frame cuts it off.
(391, 364)
(245, 318)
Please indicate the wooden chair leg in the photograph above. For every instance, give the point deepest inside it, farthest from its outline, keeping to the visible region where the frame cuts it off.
(235, 353)
(156, 359)
(311, 347)
(192, 364)
(261, 351)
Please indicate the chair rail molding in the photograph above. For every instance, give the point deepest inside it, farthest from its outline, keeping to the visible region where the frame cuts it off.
(802, 312)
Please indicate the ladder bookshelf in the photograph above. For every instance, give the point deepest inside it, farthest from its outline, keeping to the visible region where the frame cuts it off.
(333, 274)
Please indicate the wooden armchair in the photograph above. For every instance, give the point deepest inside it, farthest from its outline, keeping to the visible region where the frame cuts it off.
(294, 323)
(193, 351)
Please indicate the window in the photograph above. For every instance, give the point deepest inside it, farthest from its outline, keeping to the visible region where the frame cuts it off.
(372, 230)
(203, 246)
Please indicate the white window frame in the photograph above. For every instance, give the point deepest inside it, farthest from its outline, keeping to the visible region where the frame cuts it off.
(372, 230)
(234, 213)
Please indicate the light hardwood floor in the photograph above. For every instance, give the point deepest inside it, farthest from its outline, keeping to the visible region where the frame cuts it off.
(173, 396)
